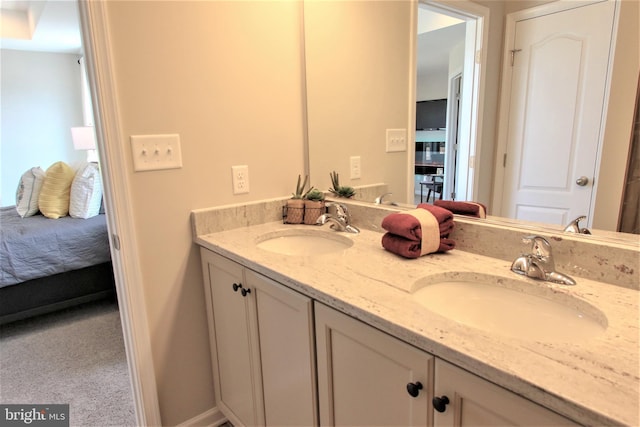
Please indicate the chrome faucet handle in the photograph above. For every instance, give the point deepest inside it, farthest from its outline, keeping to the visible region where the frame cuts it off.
(539, 264)
(341, 217)
(341, 211)
(526, 266)
(378, 200)
(574, 226)
(540, 246)
(541, 249)
(337, 223)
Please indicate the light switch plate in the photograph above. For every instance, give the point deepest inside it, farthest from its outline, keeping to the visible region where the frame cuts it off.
(155, 152)
(355, 167)
(396, 140)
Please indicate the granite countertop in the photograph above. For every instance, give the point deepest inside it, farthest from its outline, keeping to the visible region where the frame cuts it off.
(593, 382)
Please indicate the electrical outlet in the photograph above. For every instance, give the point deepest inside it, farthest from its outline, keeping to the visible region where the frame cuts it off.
(396, 140)
(154, 152)
(355, 167)
(240, 179)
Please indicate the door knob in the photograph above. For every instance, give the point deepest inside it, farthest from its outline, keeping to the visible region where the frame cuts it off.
(414, 388)
(245, 291)
(582, 181)
(440, 403)
(236, 286)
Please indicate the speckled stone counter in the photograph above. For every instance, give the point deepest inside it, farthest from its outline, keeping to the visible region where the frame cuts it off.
(594, 382)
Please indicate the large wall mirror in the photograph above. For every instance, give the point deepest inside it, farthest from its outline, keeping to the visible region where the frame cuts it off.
(362, 79)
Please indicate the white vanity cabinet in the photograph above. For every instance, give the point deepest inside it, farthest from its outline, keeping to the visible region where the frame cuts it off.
(266, 340)
(262, 346)
(474, 401)
(365, 376)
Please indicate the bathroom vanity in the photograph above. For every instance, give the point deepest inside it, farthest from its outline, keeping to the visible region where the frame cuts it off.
(342, 337)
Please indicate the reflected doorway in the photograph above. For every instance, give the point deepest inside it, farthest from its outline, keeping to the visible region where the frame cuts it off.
(446, 73)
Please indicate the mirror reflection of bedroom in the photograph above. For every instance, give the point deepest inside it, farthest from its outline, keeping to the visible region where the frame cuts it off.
(59, 318)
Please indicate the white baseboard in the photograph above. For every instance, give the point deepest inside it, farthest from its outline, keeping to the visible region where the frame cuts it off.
(210, 418)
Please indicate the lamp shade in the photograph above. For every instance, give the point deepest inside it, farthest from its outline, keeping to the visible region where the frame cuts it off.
(84, 138)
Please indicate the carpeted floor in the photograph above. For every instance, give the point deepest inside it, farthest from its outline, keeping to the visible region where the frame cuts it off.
(74, 356)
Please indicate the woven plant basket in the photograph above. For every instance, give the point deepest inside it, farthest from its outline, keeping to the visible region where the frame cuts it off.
(312, 211)
(295, 211)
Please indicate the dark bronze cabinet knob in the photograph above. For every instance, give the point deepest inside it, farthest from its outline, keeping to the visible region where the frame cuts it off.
(440, 403)
(414, 388)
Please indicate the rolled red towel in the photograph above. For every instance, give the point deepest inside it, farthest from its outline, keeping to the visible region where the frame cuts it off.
(411, 248)
(418, 232)
(444, 217)
(474, 209)
(409, 226)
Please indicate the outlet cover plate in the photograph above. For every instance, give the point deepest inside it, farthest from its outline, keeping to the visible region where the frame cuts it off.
(155, 152)
(240, 179)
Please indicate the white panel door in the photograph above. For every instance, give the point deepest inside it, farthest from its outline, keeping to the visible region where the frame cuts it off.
(558, 86)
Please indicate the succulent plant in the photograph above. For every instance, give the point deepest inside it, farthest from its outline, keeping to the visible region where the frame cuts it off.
(314, 194)
(340, 190)
(299, 194)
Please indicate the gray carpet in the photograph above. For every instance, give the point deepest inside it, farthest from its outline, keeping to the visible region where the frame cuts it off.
(74, 356)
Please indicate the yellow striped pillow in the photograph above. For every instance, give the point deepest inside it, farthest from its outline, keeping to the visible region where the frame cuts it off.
(56, 189)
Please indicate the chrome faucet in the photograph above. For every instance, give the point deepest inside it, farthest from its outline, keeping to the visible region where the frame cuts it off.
(539, 264)
(378, 200)
(574, 226)
(339, 218)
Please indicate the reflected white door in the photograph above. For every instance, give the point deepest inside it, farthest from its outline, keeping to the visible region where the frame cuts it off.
(558, 86)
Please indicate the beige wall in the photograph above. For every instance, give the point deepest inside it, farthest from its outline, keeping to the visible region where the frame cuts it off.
(226, 76)
(340, 127)
(618, 127)
(358, 75)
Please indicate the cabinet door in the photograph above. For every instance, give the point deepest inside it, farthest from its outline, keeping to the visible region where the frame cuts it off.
(477, 402)
(363, 375)
(285, 325)
(235, 349)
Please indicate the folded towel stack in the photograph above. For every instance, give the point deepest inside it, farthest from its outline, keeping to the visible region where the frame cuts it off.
(473, 209)
(418, 232)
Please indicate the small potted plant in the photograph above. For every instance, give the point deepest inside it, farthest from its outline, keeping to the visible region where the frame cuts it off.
(313, 205)
(340, 190)
(295, 205)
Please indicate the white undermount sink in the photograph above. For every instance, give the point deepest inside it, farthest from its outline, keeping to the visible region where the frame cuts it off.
(510, 307)
(304, 242)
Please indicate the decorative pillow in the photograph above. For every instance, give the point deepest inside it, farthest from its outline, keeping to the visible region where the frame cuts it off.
(28, 192)
(56, 189)
(86, 192)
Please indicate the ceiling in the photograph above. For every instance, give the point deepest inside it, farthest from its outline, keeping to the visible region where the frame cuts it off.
(40, 25)
(53, 26)
(437, 36)
(435, 46)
